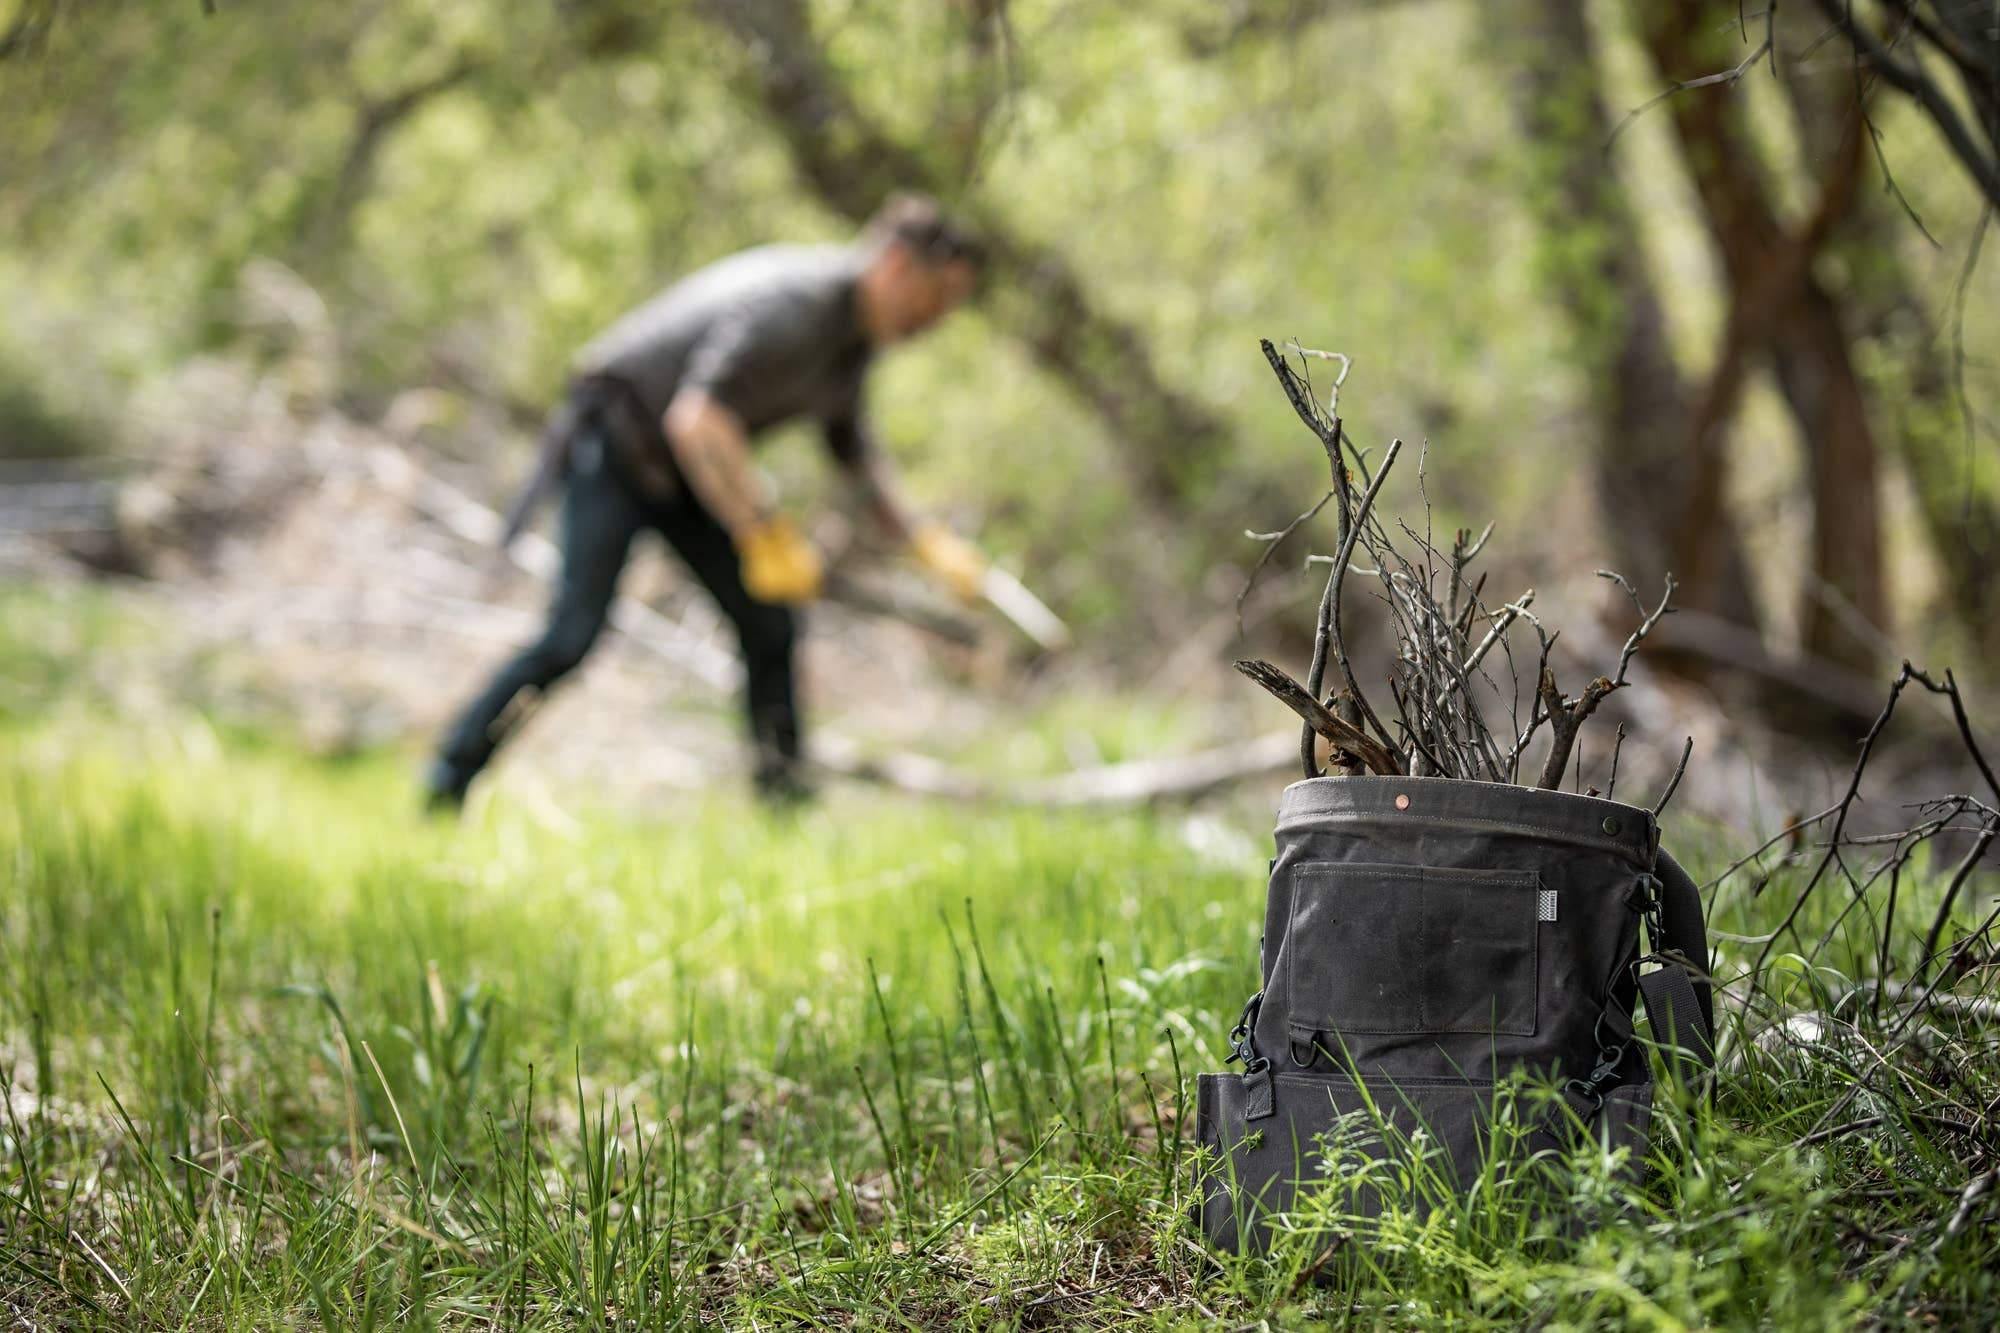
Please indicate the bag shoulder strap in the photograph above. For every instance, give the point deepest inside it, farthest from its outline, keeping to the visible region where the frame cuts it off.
(1678, 997)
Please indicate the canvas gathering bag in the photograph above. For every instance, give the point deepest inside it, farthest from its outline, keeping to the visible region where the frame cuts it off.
(1424, 937)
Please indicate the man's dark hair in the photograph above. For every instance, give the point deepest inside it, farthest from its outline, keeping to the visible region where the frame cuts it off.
(920, 223)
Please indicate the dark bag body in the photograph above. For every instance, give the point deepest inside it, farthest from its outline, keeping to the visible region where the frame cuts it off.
(1425, 937)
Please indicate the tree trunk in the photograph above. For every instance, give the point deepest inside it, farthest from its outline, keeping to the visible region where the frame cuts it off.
(1779, 308)
(1170, 439)
(1592, 260)
(1844, 617)
(1961, 518)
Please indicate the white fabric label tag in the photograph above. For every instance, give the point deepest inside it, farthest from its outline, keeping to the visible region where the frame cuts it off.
(1545, 905)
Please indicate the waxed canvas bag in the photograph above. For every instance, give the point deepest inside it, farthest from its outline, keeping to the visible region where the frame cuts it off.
(1427, 937)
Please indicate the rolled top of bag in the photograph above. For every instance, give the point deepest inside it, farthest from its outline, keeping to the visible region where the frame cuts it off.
(1487, 807)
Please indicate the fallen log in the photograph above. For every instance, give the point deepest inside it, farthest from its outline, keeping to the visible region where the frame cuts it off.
(1133, 782)
(1178, 777)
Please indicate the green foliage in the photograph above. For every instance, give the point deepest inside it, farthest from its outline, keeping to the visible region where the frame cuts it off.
(32, 427)
(45, 413)
(475, 189)
(593, 154)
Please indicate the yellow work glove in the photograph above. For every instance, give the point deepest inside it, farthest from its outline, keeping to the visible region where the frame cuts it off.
(778, 564)
(954, 561)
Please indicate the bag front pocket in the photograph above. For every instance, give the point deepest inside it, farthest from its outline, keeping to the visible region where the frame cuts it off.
(1418, 949)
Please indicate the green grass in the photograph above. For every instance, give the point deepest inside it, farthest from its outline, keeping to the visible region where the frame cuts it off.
(277, 1054)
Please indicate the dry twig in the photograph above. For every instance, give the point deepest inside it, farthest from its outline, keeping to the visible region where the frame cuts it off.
(1345, 737)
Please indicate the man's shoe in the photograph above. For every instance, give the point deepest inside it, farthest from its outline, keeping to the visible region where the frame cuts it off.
(444, 789)
(784, 787)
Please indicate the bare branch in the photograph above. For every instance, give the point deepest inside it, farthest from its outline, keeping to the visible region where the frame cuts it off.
(1508, 614)
(1673, 783)
(1566, 718)
(1638, 636)
(1272, 541)
(1719, 78)
(1342, 735)
(1327, 633)
(1909, 78)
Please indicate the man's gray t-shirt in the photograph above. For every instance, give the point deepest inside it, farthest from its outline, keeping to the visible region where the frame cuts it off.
(771, 333)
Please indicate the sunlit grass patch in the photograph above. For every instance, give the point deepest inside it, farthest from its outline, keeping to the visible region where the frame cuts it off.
(278, 1050)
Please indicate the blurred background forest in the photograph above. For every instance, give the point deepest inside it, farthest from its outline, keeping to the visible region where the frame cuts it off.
(1739, 332)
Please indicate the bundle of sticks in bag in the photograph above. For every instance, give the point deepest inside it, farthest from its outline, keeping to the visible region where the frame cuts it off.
(1464, 700)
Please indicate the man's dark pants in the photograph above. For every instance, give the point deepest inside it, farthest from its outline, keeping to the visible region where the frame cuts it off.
(602, 511)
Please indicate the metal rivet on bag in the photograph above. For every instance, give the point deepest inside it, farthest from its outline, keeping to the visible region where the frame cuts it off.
(1611, 825)
(1402, 801)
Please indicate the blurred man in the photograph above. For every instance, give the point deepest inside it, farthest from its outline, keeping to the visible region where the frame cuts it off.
(657, 434)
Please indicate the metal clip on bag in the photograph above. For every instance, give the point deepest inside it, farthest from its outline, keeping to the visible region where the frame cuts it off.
(1427, 937)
